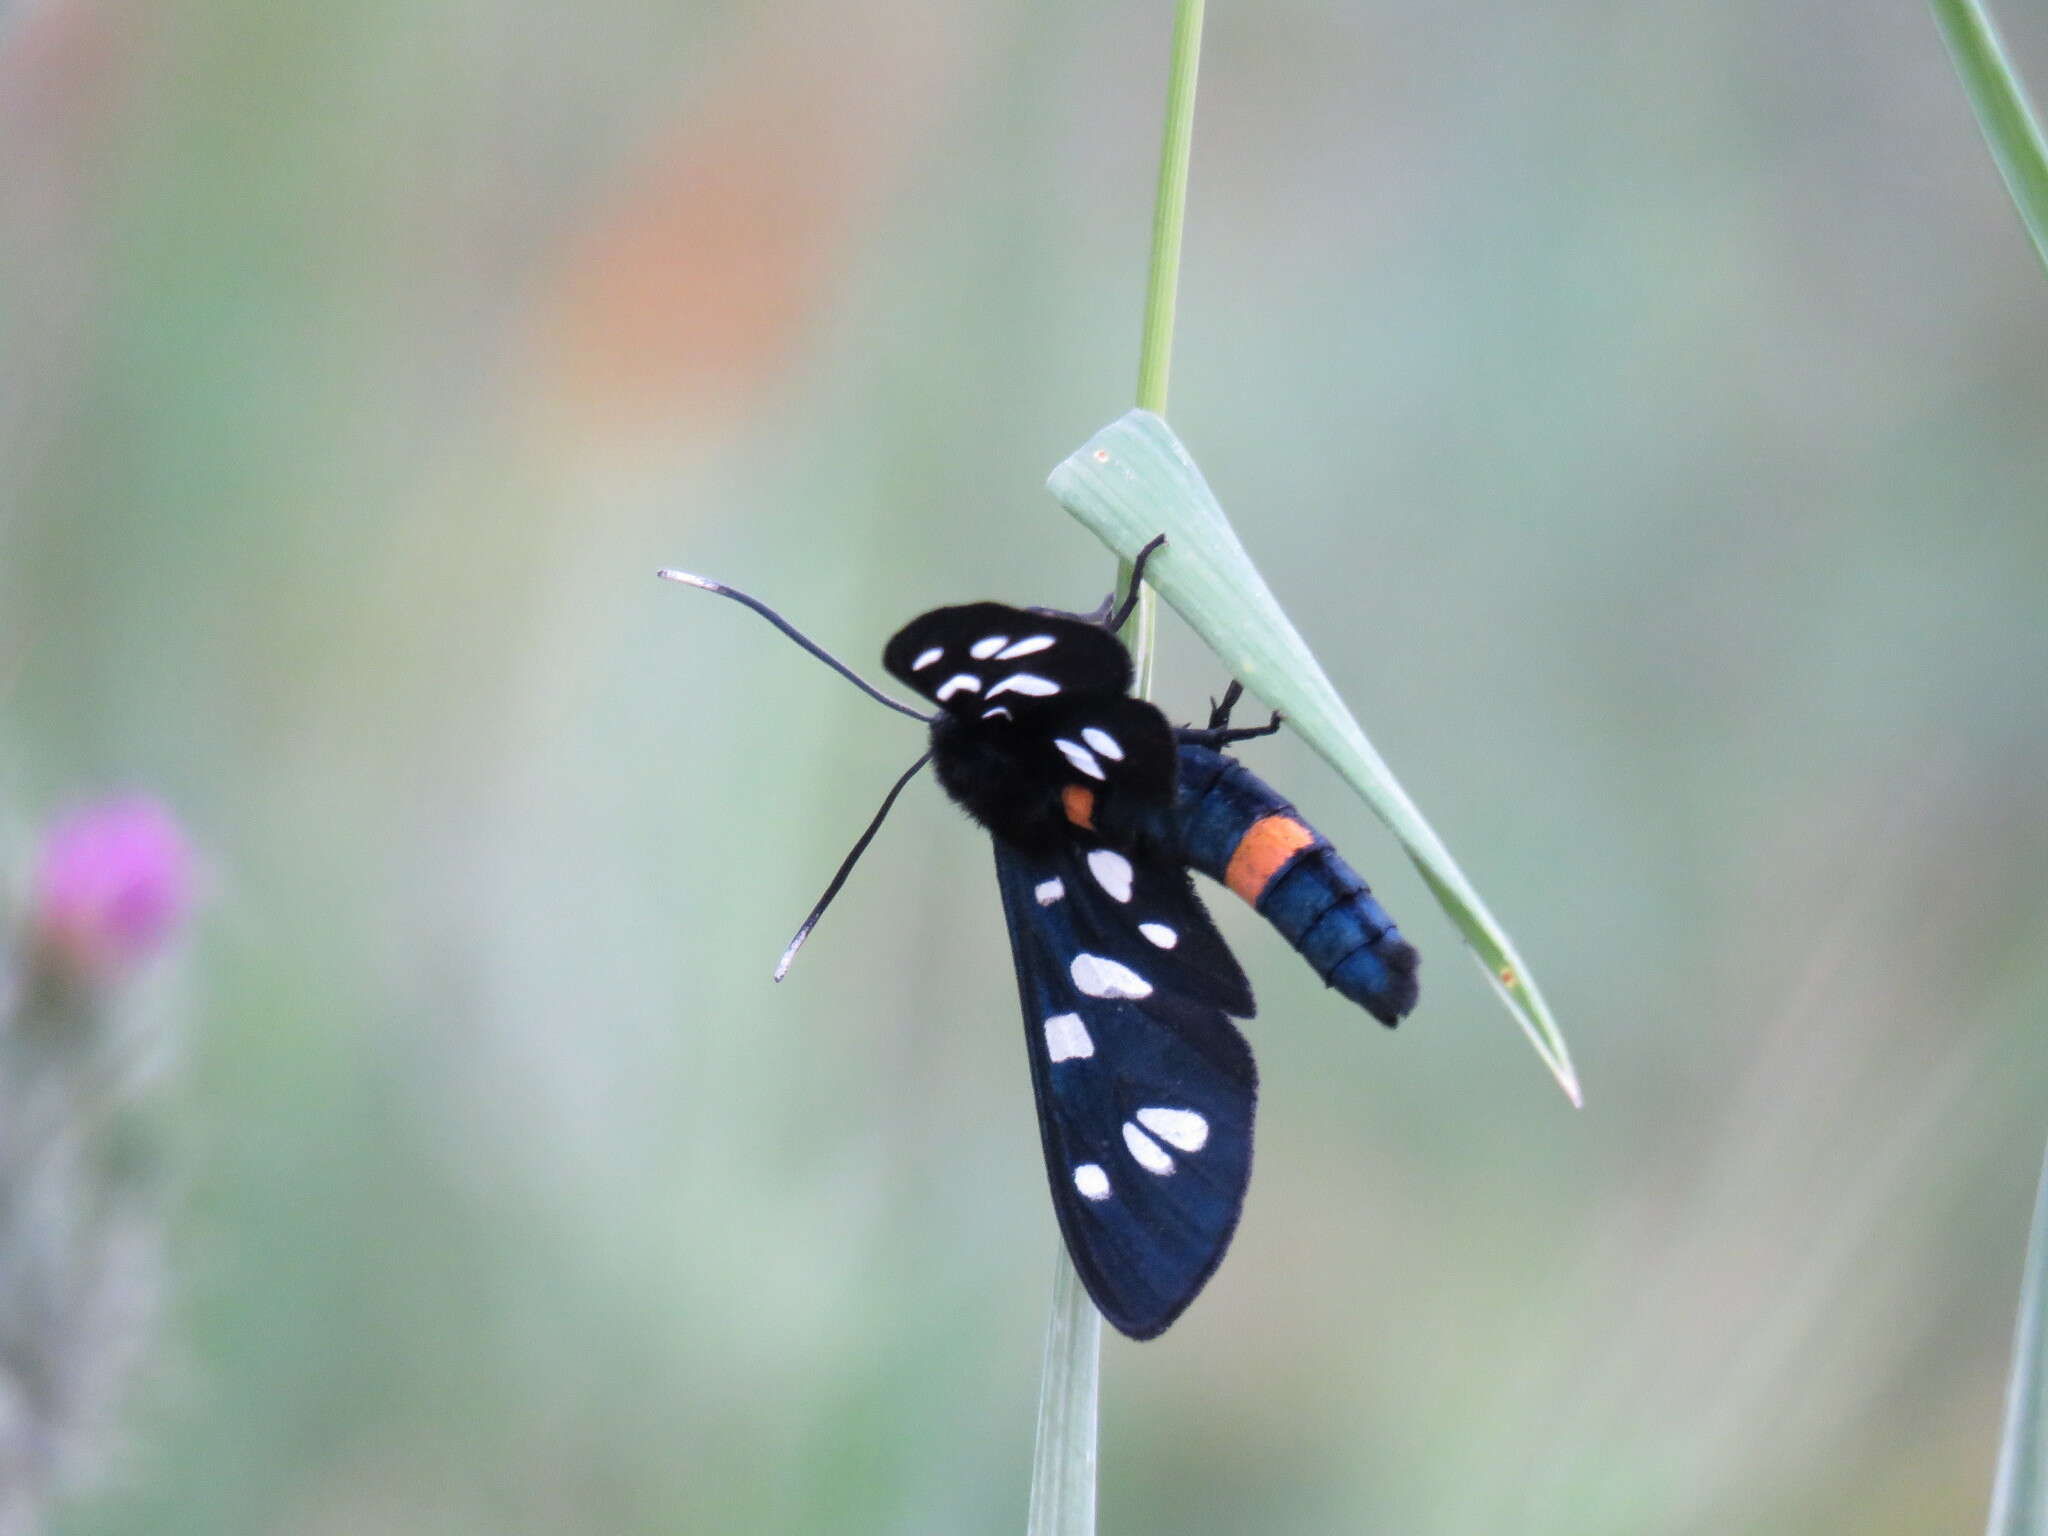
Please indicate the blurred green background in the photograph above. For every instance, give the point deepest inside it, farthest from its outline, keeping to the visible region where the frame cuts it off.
(1639, 409)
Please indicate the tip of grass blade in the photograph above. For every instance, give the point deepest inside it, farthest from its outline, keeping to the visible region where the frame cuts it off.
(1513, 993)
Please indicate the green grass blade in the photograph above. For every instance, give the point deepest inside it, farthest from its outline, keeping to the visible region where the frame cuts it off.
(1063, 1466)
(2019, 1499)
(2003, 112)
(1132, 480)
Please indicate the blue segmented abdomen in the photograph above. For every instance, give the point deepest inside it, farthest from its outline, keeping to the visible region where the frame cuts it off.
(1236, 829)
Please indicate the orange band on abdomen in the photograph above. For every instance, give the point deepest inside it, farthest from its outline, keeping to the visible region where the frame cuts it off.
(1272, 841)
(1080, 804)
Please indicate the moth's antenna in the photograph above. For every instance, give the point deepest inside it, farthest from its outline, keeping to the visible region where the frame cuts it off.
(807, 643)
(846, 868)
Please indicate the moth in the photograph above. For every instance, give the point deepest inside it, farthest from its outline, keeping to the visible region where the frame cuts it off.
(1098, 809)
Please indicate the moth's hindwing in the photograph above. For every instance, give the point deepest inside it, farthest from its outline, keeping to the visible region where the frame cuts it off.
(1145, 1089)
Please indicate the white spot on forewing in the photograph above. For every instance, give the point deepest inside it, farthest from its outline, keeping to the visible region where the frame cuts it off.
(1112, 872)
(1030, 645)
(1049, 891)
(1092, 1181)
(1000, 712)
(926, 658)
(1079, 756)
(986, 647)
(1028, 683)
(1159, 934)
(1101, 977)
(966, 681)
(1066, 1037)
(1182, 1128)
(1150, 1155)
(1103, 742)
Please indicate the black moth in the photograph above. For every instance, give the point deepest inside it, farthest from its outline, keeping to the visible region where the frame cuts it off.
(1098, 808)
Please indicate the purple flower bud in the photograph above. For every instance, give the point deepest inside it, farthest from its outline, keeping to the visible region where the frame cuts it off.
(113, 881)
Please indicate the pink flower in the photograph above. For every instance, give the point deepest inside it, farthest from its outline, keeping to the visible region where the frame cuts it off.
(113, 882)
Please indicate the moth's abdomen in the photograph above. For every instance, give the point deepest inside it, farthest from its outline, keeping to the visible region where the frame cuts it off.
(1236, 829)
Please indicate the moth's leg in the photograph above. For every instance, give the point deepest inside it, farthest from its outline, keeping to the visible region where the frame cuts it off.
(1123, 610)
(1245, 732)
(1099, 614)
(1109, 613)
(1219, 712)
(1225, 738)
(1219, 732)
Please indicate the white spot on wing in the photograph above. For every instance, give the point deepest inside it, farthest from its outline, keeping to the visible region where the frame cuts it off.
(1026, 682)
(1000, 710)
(1159, 934)
(956, 683)
(926, 658)
(1112, 872)
(1150, 1155)
(1079, 756)
(1103, 742)
(1101, 977)
(1030, 645)
(1049, 891)
(987, 646)
(1066, 1037)
(1182, 1128)
(1092, 1181)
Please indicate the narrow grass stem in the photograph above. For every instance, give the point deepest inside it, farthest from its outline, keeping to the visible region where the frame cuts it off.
(1170, 210)
(2019, 1499)
(1162, 281)
(2003, 111)
(1063, 1468)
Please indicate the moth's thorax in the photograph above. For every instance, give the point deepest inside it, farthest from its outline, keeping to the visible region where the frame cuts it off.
(997, 772)
(1036, 735)
(986, 767)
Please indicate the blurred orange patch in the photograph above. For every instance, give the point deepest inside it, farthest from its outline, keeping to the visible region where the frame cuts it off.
(694, 286)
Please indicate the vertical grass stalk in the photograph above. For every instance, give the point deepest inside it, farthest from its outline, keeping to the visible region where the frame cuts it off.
(1063, 1467)
(1162, 282)
(2003, 111)
(2019, 1499)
